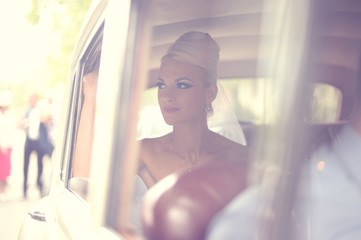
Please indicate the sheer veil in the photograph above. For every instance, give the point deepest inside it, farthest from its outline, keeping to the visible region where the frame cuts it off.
(224, 120)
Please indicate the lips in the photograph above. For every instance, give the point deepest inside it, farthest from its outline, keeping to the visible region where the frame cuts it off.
(170, 109)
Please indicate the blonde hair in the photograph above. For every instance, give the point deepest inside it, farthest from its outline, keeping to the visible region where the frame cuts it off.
(199, 49)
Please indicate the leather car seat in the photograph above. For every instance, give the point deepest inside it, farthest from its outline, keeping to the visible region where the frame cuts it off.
(181, 205)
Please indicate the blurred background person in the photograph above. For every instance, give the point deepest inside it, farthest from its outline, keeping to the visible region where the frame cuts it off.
(46, 126)
(7, 131)
(47, 133)
(31, 125)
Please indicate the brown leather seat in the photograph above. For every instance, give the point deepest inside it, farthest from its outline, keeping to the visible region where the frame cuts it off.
(181, 205)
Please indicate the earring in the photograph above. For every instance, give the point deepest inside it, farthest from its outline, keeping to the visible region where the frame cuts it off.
(208, 108)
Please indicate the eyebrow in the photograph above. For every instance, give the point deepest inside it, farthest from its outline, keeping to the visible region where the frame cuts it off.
(183, 78)
(177, 80)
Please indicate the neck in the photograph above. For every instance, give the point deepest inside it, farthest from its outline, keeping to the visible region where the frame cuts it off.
(190, 140)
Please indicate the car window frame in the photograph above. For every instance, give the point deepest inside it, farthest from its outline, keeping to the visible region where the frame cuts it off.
(93, 21)
(92, 49)
(123, 64)
(66, 153)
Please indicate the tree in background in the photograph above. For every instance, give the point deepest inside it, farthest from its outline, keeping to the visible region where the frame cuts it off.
(37, 46)
(61, 20)
(66, 16)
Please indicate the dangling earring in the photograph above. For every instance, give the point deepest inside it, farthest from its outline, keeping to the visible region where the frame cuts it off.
(208, 108)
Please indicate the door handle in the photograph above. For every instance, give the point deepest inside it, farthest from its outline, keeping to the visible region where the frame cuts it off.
(37, 215)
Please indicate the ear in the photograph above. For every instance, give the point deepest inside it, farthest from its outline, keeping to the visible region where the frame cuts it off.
(211, 93)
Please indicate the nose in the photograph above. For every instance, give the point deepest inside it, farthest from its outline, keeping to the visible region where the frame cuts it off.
(166, 95)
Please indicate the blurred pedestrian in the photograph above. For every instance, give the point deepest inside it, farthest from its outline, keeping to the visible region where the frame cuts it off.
(7, 130)
(46, 126)
(36, 140)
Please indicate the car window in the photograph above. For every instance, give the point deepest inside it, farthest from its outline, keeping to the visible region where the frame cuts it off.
(67, 139)
(81, 139)
(325, 104)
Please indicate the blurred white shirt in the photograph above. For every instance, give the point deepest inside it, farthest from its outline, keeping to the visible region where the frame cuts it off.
(331, 208)
(33, 123)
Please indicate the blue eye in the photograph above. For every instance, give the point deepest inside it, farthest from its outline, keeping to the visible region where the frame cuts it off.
(161, 85)
(182, 85)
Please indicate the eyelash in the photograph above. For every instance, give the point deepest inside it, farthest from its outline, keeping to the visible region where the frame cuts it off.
(183, 85)
(179, 85)
(161, 85)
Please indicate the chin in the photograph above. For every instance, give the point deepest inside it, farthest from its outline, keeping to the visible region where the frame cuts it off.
(169, 121)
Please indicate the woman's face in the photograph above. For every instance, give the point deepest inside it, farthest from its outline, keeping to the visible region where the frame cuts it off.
(182, 92)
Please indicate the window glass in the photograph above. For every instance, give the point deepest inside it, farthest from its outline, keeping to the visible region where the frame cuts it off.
(83, 131)
(67, 130)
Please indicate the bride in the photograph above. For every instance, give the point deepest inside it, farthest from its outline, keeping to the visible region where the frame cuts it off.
(192, 169)
(187, 86)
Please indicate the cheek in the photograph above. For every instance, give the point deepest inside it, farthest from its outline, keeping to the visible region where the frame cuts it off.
(161, 97)
(158, 97)
(165, 98)
(196, 100)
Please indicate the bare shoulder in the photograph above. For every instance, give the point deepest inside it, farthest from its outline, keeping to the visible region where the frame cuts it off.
(150, 157)
(150, 147)
(149, 144)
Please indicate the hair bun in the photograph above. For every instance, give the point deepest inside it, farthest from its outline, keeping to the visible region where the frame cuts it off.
(196, 48)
